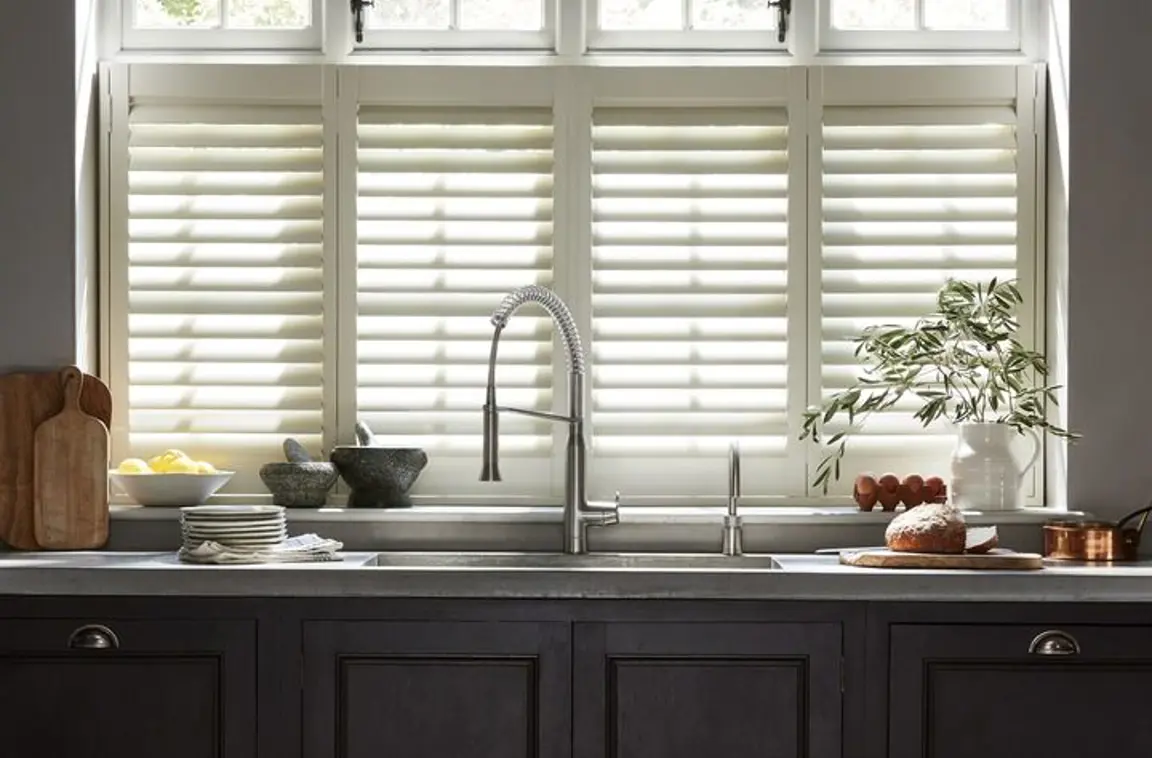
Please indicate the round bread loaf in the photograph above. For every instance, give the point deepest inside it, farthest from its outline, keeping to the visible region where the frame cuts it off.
(932, 528)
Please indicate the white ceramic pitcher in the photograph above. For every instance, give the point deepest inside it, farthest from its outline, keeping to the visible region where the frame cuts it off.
(985, 474)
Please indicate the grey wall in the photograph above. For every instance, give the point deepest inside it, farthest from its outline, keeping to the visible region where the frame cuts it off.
(1110, 258)
(37, 184)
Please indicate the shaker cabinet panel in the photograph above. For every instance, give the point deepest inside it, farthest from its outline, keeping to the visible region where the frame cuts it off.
(130, 689)
(683, 690)
(429, 690)
(1008, 691)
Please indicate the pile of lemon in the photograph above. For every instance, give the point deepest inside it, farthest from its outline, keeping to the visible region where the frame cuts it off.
(170, 462)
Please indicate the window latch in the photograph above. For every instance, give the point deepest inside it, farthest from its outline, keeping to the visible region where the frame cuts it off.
(358, 7)
(783, 12)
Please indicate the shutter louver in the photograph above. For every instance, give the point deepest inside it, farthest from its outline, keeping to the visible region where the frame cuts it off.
(912, 196)
(689, 287)
(225, 282)
(455, 211)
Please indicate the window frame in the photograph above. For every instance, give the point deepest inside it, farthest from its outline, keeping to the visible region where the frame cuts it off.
(574, 90)
(923, 40)
(221, 38)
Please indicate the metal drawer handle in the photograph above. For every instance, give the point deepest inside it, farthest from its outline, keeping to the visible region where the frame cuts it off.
(1054, 642)
(93, 637)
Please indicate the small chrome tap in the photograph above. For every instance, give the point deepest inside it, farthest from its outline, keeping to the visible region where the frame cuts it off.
(733, 524)
(579, 514)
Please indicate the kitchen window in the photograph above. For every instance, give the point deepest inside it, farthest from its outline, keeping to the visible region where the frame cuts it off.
(291, 248)
(221, 24)
(923, 25)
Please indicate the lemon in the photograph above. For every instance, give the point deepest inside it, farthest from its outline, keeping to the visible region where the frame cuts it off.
(133, 466)
(204, 467)
(182, 466)
(163, 464)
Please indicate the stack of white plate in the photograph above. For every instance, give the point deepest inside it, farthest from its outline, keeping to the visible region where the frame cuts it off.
(248, 527)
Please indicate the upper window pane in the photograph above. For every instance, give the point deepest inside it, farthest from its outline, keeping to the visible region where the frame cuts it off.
(664, 15)
(733, 14)
(177, 14)
(910, 15)
(209, 14)
(472, 15)
(874, 14)
(642, 14)
(411, 14)
(966, 14)
(501, 14)
(269, 14)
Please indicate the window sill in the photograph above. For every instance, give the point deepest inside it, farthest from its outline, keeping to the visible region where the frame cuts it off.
(538, 528)
(806, 516)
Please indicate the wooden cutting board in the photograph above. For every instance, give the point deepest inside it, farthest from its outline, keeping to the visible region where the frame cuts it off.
(70, 486)
(26, 401)
(996, 560)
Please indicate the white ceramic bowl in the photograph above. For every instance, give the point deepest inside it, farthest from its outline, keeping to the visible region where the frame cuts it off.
(170, 490)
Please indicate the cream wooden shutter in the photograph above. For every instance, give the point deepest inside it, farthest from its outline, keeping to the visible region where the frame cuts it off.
(689, 293)
(454, 211)
(218, 295)
(926, 175)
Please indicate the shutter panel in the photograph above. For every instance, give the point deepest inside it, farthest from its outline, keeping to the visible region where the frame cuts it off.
(225, 282)
(455, 210)
(689, 292)
(912, 196)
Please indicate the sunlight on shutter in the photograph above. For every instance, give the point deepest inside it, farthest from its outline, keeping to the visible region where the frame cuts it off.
(225, 276)
(912, 196)
(689, 281)
(455, 210)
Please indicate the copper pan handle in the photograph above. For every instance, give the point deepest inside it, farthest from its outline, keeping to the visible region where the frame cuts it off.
(1142, 513)
(1054, 643)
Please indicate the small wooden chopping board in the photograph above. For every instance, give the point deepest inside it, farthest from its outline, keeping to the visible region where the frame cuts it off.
(70, 483)
(26, 401)
(995, 560)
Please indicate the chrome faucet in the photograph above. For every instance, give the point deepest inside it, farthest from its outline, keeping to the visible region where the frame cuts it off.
(733, 524)
(579, 514)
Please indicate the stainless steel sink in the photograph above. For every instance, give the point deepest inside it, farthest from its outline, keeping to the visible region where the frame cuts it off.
(606, 562)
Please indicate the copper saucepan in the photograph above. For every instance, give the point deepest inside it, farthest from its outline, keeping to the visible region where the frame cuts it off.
(1095, 540)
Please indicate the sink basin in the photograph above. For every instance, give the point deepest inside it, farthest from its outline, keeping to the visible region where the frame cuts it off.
(630, 562)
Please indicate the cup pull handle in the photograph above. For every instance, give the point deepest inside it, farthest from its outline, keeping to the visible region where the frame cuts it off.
(93, 637)
(1055, 643)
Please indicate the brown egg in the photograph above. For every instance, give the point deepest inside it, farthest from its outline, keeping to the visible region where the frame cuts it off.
(934, 489)
(890, 499)
(889, 482)
(865, 492)
(912, 490)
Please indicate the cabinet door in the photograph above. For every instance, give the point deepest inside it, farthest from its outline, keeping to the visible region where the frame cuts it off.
(960, 691)
(128, 688)
(467, 689)
(685, 690)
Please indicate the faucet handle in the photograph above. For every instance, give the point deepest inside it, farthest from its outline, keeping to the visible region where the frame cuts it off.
(617, 499)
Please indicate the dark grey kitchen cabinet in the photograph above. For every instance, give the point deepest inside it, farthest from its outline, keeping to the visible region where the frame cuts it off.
(129, 688)
(684, 690)
(1005, 691)
(429, 689)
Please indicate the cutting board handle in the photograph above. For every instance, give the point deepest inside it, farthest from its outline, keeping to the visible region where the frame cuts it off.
(73, 381)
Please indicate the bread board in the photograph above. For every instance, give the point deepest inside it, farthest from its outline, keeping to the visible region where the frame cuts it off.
(70, 483)
(994, 560)
(26, 401)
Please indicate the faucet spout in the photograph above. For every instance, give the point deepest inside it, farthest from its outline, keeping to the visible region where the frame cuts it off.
(733, 524)
(579, 514)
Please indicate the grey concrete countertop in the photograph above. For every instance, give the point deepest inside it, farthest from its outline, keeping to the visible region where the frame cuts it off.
(798, 577)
